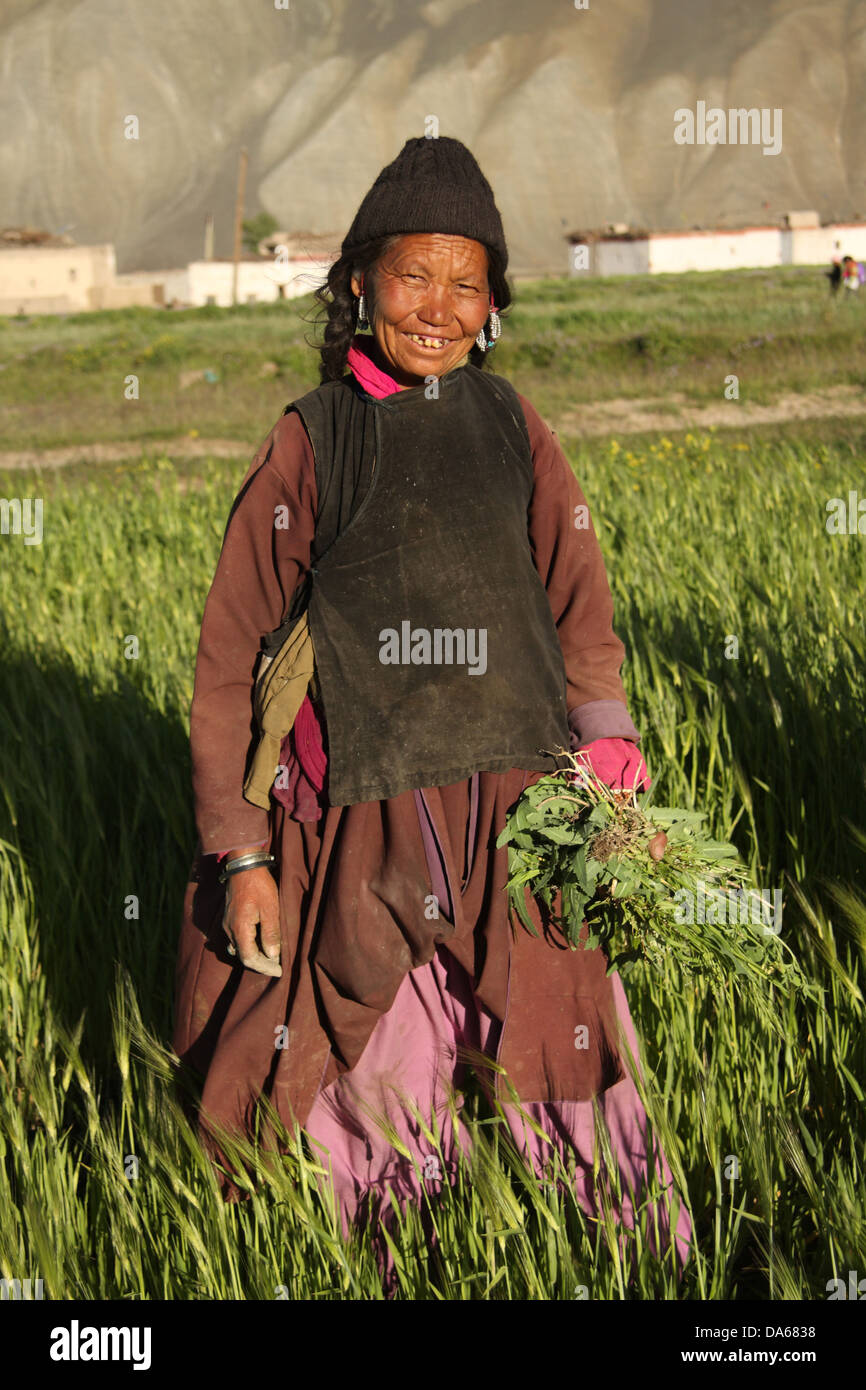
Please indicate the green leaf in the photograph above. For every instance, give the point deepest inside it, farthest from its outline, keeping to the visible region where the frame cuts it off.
(523, 877)
(522, 840)
(580, 871)
(519, 901)
(672, 815)
(561, 835)
(853, 1083)
(807, 1138)
(600, 816)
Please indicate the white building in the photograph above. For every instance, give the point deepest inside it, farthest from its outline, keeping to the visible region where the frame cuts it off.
(210, 282)
(72, 279)
(62, 280)
(802, 241)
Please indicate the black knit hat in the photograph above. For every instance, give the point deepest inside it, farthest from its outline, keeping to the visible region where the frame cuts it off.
(434, 185)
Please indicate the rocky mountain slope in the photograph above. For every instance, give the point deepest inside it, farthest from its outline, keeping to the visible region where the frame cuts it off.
(569, 111)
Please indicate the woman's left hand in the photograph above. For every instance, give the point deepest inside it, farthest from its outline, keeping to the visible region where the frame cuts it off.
(618, 763)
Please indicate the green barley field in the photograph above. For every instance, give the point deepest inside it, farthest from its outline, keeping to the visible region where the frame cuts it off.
(743, 620)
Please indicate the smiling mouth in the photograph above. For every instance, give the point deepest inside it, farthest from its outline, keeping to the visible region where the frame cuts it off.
(425, 341)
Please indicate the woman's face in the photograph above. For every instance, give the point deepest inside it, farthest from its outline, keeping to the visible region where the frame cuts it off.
(426, 298)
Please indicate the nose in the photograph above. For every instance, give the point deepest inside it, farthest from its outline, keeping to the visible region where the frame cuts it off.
(437, 308)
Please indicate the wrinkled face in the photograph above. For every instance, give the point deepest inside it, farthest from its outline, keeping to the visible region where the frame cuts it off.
(427, 298)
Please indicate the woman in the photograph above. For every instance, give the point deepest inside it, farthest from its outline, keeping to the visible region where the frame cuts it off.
(460, 618)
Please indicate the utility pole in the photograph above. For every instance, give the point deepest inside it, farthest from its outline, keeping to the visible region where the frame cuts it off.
(239, 217)
(208, 237)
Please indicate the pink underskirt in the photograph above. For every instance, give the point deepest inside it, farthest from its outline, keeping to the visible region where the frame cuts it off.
(413, 1050)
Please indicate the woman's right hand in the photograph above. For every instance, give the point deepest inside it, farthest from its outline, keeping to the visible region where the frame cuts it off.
(251, 920)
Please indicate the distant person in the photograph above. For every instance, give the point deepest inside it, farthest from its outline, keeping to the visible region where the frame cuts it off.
(847, 272)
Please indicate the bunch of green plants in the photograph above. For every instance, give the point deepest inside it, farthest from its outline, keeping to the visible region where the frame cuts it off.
(646, 883)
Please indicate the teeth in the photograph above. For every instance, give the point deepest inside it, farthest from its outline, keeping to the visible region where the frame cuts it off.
(427, 342)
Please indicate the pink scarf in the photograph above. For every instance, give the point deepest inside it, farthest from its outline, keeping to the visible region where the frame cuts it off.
(370, 377)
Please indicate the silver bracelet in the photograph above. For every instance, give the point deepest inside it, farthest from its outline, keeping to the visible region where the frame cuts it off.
(246, 861)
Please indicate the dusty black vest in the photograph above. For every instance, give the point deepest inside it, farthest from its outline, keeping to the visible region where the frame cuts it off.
(436, 650)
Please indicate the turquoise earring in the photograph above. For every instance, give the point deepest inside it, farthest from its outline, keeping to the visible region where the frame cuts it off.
(495, 329)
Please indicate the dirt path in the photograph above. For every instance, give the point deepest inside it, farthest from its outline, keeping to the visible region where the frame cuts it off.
(621, 416)
(673, 412)
(183, 447)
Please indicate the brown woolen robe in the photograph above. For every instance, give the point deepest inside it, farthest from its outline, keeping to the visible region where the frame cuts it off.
(353, 885)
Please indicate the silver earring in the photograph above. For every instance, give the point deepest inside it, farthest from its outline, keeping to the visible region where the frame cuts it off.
(362, 312)
(495, 329)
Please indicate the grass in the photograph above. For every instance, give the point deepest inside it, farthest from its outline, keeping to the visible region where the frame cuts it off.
(707, 538)
(566, 342)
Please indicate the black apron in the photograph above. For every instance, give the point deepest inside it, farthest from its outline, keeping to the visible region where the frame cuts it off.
(436, 651)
